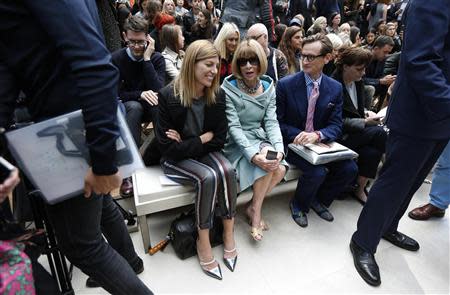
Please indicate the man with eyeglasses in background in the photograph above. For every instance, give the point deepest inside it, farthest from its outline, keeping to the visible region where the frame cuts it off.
(277, 65)
(309, 110)
(142, 73)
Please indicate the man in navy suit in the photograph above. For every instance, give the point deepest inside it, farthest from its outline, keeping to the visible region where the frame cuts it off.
(309, 110)
(419, 122)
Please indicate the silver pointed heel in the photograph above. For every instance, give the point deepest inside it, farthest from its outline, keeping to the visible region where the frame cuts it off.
(230, 263)
(215, 272)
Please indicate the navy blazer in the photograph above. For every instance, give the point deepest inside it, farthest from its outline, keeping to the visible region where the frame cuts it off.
(292, 107)
(420, 102)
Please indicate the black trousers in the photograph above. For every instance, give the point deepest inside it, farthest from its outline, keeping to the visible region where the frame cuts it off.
(370, 144)
(408, 161)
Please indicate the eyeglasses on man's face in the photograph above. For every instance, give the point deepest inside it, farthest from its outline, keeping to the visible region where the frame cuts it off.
(258, 36)
(136, 43)
(310, 57)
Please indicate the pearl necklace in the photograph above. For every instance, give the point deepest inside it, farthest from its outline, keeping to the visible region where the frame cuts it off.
(245, 88)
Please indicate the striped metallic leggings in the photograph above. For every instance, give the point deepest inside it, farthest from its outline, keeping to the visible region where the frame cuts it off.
(214, 179)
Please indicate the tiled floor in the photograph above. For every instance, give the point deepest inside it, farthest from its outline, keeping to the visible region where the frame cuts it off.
(294, 260)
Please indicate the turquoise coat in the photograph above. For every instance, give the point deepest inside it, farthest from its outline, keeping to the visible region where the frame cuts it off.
(251, 121)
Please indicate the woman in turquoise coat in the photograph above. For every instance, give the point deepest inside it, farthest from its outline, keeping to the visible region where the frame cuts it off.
(254, 143)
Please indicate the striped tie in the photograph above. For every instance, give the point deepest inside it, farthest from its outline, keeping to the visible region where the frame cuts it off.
(311, 106)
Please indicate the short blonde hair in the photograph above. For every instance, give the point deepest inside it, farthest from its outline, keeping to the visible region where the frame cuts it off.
(247, 49)
(224, 33)
(185, 82)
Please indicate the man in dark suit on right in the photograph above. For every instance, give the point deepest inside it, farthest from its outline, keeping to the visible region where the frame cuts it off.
(419, 123)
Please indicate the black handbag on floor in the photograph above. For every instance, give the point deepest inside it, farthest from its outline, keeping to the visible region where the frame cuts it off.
(183, 234)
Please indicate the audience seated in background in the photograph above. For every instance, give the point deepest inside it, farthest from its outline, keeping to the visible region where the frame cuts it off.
(142, 6)
(142, 72)
(355, 37)
(160, 20)
(345, 28)
(309, 110)
(169, 8)
(326, 7)
(172, 40)
(253, 129)
(391, 64)
(191, 17)
(279, 31)
(291, 46)
(296, 8)
(153, 8)
(382, 46)
(361, 131)
(391, 31)
(319, 26)
(369, 39)
(337, 43)
(215, 13)
(180, 11)
(277, 66)
(191, 131)
(333, 23)
(226, 42)
(202, 29)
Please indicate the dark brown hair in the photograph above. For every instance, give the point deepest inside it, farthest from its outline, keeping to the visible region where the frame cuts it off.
(354, 56)
(286, 46)
(382, 41)
(136, 24)
(152, 9)
(327, 46)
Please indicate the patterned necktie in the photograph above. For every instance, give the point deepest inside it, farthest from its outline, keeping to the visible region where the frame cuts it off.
(311, 106)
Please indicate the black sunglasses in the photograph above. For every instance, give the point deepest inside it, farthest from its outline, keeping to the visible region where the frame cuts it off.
(254, 61)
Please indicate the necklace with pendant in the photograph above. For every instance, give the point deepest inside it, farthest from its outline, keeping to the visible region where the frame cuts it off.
(249, 90)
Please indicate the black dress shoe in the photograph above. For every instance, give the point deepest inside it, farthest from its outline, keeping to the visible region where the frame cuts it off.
(365, 264)
(138, 268)
(322, 211)
(299, 216)
(91, 283)
(402, 241)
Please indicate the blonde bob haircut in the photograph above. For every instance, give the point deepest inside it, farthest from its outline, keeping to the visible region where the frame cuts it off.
(185, 82)
(225, 32)
(247, 49)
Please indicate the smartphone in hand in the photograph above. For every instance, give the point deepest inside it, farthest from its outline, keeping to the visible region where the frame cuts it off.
(5, 169)
(271, 155)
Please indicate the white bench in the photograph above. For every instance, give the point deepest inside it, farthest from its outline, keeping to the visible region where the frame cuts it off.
(151, 197)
